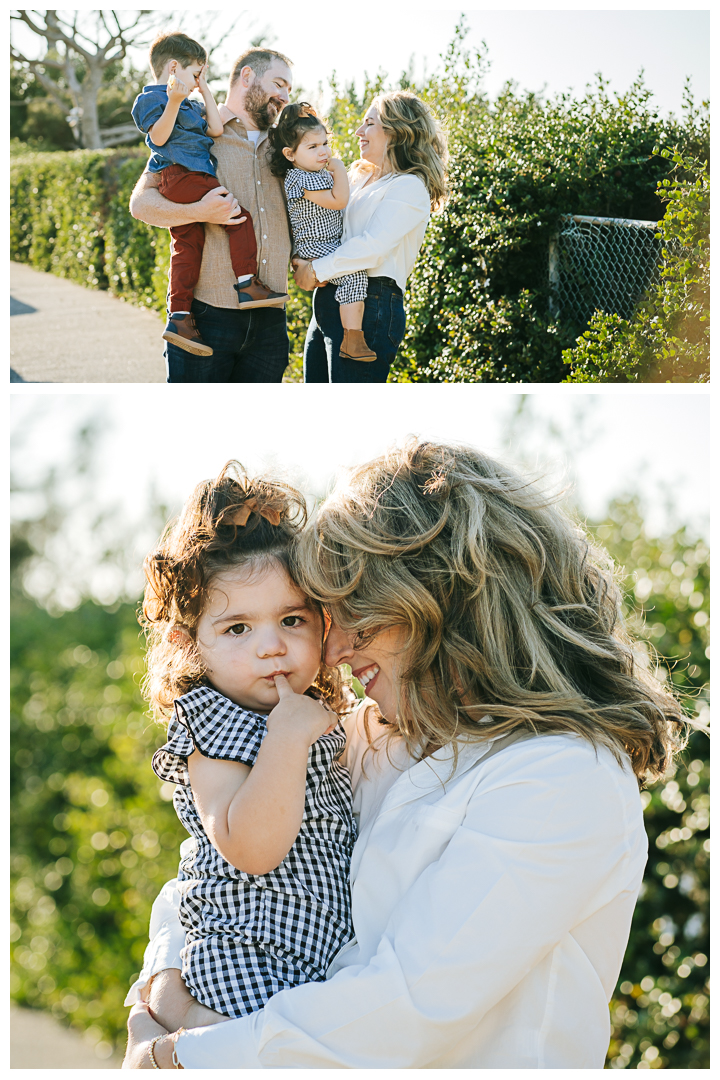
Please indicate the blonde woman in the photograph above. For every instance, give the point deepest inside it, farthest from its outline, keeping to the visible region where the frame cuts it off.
(501, 844)
(397, 183)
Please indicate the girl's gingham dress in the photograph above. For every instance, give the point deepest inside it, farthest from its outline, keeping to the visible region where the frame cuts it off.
(317, 231)
(247, 936)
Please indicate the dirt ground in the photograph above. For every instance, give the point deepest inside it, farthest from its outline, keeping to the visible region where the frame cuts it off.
(38, 1041)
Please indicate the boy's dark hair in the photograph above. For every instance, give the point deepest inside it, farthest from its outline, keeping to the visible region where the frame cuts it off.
(292, 123)
(175, 47)
(259, 60)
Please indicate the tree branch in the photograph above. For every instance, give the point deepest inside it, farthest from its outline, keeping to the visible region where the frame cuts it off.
(45, 81)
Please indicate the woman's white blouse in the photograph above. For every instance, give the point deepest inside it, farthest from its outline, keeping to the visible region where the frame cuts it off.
(492, 909)
(385, 224)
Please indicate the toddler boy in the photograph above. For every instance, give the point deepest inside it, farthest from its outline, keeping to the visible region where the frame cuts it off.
(180, 139)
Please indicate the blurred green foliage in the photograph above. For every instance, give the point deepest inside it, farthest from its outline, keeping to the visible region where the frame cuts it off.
(94, 834)
(660, 1008)
(93, 838)
(668, 338)
(478, 302)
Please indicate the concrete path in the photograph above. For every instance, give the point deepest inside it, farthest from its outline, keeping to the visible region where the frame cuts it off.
(38, 1041)
(61, 332)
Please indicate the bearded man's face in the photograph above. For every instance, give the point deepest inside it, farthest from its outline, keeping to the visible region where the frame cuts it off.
(268, 95)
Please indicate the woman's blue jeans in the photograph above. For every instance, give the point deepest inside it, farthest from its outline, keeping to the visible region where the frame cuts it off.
(383, 326)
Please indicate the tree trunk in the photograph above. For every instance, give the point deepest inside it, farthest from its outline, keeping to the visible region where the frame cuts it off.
(89, 94)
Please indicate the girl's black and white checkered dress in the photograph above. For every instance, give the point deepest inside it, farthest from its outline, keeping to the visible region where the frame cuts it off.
(317, 231)
(247, 936)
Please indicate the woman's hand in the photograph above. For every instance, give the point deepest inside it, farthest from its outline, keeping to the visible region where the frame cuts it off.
(142, 1029)
(219, 207)
(305, 275)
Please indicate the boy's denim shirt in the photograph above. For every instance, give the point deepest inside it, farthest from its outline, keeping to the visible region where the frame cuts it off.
(188, 145)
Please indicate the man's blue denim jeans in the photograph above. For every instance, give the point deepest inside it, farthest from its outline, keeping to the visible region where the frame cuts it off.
(383, 326)
(248, 347)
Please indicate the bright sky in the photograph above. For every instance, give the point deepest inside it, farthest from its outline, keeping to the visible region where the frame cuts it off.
(155, 447)
(604, 443)
(561, 49)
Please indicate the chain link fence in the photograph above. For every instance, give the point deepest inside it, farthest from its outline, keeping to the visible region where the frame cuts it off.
(605, 263)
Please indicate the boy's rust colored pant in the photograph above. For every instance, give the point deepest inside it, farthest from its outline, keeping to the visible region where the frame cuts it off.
(180, 185)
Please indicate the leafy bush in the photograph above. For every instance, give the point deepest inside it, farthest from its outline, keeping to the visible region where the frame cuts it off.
(668, 339)
(479, 299)
(659, 1011)
(94, 837)
(56, 217)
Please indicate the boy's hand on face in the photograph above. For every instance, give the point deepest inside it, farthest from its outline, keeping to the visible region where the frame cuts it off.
(177, 90)
(202, 78)
(296, 714)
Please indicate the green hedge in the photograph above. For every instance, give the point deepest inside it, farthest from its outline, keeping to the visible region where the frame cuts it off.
(69, 216)
(479, 299)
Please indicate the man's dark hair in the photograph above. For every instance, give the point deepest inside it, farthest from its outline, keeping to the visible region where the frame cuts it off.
(259, 60)
(175, 47)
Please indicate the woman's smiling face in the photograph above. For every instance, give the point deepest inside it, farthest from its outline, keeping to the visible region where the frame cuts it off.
(373, 138)
(378, 667)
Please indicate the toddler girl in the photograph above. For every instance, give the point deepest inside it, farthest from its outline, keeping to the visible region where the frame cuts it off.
(236, 652)
(317, 190)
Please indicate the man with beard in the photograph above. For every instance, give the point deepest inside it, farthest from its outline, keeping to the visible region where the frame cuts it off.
(248, 345)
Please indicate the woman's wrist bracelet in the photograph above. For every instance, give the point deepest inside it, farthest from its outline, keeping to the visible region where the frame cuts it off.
(151, 1051)
(175, 1060)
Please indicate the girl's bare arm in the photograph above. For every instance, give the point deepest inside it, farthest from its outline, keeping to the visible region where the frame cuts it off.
(253, 815)
(337, 197)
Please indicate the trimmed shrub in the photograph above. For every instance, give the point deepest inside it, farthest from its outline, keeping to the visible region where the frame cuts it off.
(56, 214)
(69, 216)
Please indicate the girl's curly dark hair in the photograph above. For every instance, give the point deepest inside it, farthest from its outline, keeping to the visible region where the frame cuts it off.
(287, 131)
(226, 523)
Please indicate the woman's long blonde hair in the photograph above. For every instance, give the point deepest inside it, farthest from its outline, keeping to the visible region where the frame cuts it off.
(512, 617)
(416, 143)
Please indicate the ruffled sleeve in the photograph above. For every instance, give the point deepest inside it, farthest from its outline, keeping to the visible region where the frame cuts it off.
(207, 721)
(298, 181)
